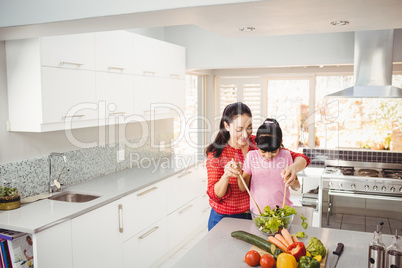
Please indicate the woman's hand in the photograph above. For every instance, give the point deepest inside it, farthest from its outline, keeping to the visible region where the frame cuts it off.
(232, 169)
(289, 175)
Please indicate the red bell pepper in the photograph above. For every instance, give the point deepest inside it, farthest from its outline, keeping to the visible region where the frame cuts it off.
(297, 249)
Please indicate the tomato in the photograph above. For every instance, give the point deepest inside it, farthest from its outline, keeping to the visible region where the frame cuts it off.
(252, 258)
(267, 261)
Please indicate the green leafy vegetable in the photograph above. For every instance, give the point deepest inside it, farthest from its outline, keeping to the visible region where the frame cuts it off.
(304, 223)
(301, 235)
(316, 247)
(270, 221)
(7, 191)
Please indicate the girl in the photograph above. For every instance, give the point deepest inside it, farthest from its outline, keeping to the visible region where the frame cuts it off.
(234, 141)
(262, 168)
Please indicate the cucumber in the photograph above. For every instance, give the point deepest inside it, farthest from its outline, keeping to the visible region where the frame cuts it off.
(258, 242)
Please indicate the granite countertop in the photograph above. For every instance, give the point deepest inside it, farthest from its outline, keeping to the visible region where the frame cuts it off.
(219, 249)
(37, 216)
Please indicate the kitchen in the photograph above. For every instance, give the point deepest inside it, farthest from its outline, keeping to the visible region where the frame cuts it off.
(206, 50)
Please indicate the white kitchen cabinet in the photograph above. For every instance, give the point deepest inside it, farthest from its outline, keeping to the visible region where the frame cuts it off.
(96, 238)
(76, 51)
(114, 52)
(157, 58)
(66, 93)
(143, 208)
(114, 94)
(183, 188)
(145, 248)
(52, 247)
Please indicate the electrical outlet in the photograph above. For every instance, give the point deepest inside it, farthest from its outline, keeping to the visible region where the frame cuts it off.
(120, 156)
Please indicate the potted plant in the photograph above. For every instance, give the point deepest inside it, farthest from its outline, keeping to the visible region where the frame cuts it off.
(9, 198)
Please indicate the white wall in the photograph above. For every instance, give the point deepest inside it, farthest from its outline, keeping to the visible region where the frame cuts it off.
(15, 146)
(206, 50)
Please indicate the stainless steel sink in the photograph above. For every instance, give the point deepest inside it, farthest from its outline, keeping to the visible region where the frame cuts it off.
(73, 197)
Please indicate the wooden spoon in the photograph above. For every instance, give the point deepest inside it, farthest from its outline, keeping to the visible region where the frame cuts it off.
(248, 191)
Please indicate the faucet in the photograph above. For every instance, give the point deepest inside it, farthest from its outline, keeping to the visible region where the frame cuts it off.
(54, 185)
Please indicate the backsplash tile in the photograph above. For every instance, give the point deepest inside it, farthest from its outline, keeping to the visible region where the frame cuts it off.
(32, 175)
(318, 156)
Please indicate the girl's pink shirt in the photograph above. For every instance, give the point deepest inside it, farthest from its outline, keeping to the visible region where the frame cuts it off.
(267, 185)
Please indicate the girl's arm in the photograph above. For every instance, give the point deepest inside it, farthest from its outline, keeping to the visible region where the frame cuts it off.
(246, 178)
(300, 162)
(295, 185)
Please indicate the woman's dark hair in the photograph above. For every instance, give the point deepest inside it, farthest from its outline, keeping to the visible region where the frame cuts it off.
(269, 136)
(229, 114)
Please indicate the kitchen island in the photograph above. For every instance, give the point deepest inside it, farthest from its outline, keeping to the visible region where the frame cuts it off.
(219, 249)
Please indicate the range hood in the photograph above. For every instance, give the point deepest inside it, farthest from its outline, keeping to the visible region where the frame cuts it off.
(372, 67)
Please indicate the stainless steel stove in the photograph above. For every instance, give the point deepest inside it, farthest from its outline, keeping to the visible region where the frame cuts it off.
(362, 180)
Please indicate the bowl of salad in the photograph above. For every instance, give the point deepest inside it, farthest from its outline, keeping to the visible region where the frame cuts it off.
(272, 221)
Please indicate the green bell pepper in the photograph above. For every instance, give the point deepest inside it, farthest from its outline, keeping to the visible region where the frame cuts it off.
(308, 262)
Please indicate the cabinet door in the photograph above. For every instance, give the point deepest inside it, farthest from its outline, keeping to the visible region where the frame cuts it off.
(183, 188)
(75, 51)
(149, 95)
(183, 222)
(116, 91)
(147, 247)
(68, 94)
(143, 208)
(96, 238)
(114, 52)
(146, 56)
(53, 247)
(174, 93)
(173, 61)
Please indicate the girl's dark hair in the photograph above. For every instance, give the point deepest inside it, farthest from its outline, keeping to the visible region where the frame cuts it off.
(269, 136)
(229, 114)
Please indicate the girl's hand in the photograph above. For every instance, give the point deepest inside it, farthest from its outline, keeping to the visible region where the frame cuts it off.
(289, 175)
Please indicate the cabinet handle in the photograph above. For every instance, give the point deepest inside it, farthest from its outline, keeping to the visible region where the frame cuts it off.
(120, 218)
(185, 209)
(184, 174)
(149, 232)
(71, 63)
(116, 113)
(76, 115)
(116, 68)
(148, 73)
(174, 76)
(147, 191)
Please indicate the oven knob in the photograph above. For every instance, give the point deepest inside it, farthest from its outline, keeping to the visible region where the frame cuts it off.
(353, 186)
(384, 188)
(400, 190)
(392, 189)
(366, 187)
(340, 185)
(375, 187)
(330, 184)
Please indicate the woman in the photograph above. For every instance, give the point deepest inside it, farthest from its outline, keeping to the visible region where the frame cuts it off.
(234, 141)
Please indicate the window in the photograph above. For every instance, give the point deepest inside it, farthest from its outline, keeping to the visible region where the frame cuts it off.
(246, 90)
(288, 104)
(193, 139)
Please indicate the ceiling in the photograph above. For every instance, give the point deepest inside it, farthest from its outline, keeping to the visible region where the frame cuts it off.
(270, 17)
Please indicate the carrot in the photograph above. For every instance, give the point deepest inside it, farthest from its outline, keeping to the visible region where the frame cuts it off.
(281, 239)
(277, 243)
(295, 238)
(286, 235)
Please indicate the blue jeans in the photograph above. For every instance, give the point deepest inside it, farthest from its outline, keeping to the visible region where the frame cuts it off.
(215, 217)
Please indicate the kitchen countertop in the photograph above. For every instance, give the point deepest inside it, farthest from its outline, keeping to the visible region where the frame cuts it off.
(37, 216)
(219, 249)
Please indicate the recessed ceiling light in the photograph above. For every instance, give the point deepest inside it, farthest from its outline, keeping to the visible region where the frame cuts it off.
(340, 22)
(247, 29)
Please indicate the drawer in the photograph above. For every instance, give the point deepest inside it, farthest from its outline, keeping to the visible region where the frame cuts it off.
(143, 208)
(147, 246)
(183, 188)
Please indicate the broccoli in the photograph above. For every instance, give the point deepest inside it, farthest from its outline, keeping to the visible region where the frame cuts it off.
(316, 247)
